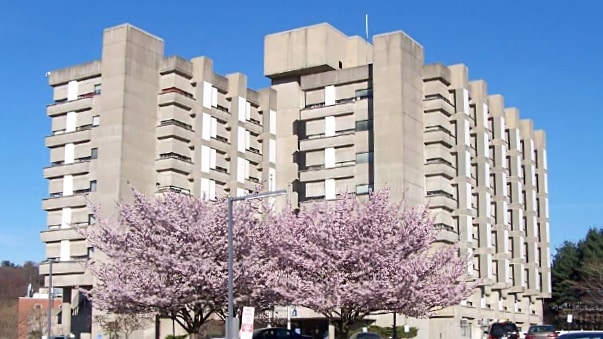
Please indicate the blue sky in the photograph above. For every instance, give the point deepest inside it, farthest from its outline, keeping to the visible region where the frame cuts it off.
(543, 56)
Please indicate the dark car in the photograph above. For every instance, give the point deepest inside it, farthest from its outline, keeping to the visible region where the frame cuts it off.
(503, 330)
(582, 335)
(277, 333)
(365, 335)
(541, 332)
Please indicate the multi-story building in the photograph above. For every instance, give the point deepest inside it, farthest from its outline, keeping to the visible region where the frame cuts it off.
(341, 114)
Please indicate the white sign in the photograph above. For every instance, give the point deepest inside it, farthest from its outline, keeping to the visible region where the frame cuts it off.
(247, 323)
(570, 318)
(406, 328)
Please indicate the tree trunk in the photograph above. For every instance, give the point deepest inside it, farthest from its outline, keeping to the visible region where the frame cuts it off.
(194, 336)
(342, 329)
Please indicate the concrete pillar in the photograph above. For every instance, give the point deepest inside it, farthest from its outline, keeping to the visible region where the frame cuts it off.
(66, 311)
(331, 331)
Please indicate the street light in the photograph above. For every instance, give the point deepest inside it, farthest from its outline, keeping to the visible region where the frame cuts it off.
(229, 318)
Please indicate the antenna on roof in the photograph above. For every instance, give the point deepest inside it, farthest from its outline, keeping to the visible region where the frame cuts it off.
(366, 32)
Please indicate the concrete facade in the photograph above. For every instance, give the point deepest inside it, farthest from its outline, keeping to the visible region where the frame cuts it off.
(341, 114)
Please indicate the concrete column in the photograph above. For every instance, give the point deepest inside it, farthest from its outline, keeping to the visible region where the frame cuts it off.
(66, 311)
(398, 116)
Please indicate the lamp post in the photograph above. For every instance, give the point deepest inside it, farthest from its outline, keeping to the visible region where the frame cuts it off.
(229, 318)
(50, 299)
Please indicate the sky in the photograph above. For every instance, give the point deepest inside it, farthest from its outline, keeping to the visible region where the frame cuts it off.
(544, 57)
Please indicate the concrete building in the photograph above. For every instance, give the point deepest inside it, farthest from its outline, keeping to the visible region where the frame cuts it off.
(341, 114)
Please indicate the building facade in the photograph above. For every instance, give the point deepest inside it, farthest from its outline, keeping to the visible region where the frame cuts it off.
(341, 114)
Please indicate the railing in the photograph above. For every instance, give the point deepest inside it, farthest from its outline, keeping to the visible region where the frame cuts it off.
(254, 121)
(439, 193)
(176, 123)
(82, 191)
(222, 108)
(78, 160)
(173, 155)
(171, 188)
(444, 227)
(220, 138)
(337, 133)
(76, 192)
(221, 169)
(337, 164)
(254, 150)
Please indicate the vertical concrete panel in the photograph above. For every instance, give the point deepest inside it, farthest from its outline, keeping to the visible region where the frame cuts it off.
(130, 63)
(398, 116)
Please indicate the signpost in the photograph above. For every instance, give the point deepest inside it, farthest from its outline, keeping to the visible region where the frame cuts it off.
(247, 323)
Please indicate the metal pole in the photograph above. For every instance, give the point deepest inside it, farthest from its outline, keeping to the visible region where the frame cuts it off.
(288, 317)
(49, 328)
(395, 334)
(229, 318)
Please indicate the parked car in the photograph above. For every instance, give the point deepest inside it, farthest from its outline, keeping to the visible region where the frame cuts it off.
(541, 331)
(277, 333)
(503, 330)
(365, 335)
(583, 335)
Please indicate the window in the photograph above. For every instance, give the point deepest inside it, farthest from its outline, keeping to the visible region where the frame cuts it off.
(329, 157)
(330, 189)
(526, 252)
(364, 189)
(93, 186)
(97, 89)
(94, 153)
(364, 125)
(91, 219)
(363, 93)
(364, 157)
(95, 120)
(329, 95)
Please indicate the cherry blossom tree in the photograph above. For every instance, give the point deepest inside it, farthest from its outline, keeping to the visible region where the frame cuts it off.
(168, 255)
(352, 257)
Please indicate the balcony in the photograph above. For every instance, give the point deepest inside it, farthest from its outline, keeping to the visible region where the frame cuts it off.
(83, 134)
(174, 162)
(63, 267)
(341, 138)
(439, 166)
(60, 169)
(175, 96)
(67, 273)
(175, 129)
(58, 234)
(60, 201)
(446, 233)
(437, 103)
(441, 199)
(221, 113)
(341, 170)
(63, 107)
(220, 143)
(253, 154)
(438, 134)
(254, 126)
(320, 111)
(219, 174)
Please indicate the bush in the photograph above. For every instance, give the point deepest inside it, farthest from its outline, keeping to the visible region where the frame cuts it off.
(182, 336)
